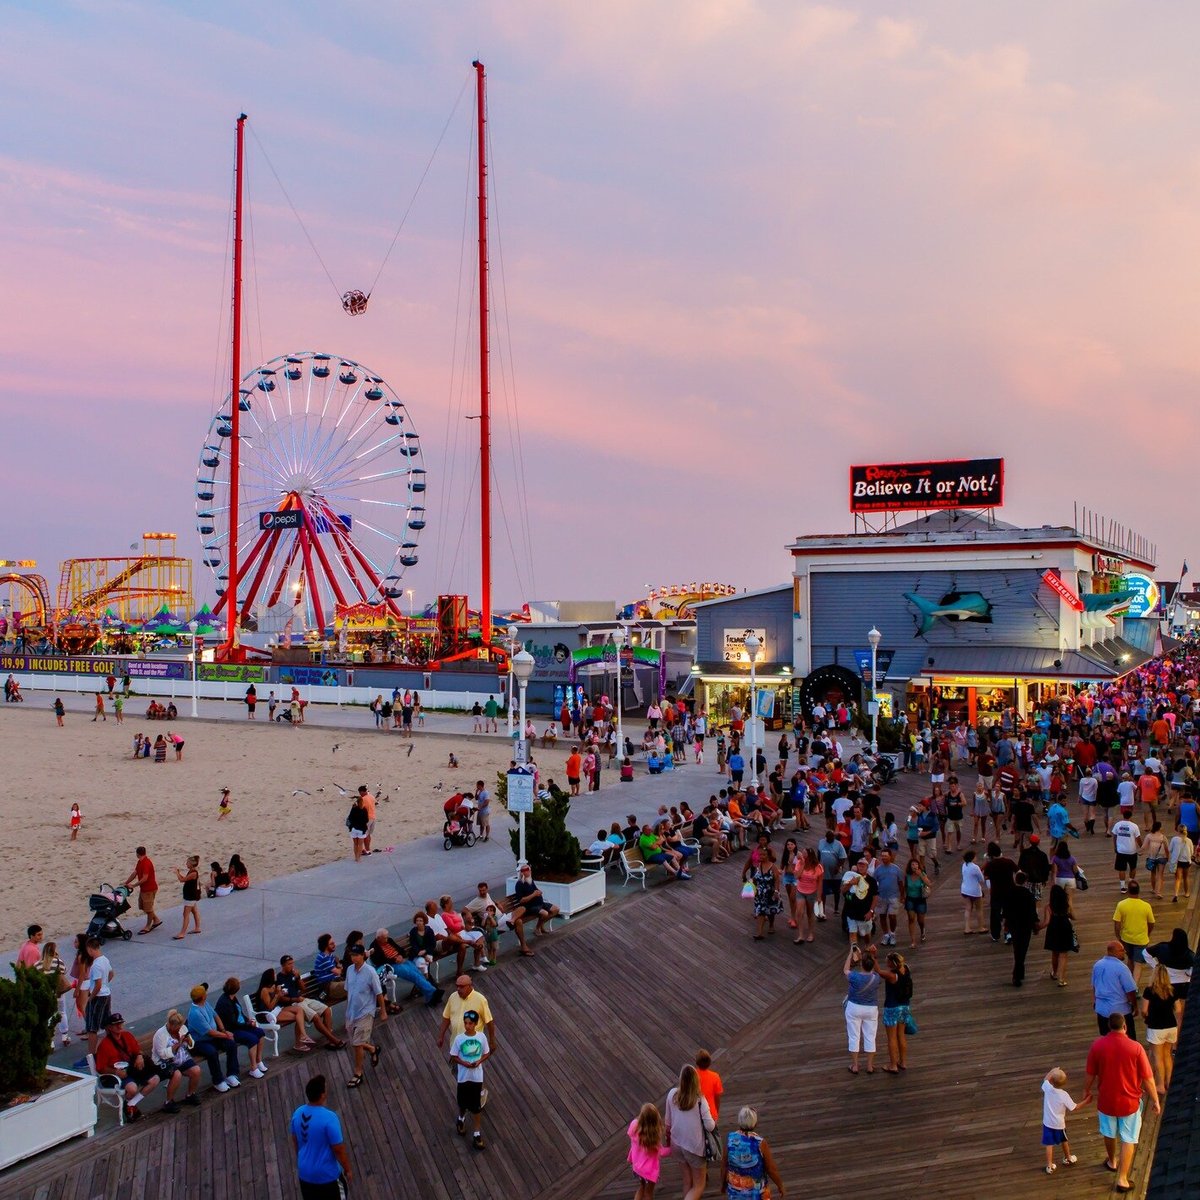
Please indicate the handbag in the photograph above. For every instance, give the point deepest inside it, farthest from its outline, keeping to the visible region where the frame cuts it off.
(1074, 939)
(819, 909)
(1081, 880)
(910, 1025)
(712, 1144)
(747, 891)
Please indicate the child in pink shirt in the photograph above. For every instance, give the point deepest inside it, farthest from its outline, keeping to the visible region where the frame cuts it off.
(646, 1150)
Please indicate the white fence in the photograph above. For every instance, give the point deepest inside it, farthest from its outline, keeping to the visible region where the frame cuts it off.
(181, 689)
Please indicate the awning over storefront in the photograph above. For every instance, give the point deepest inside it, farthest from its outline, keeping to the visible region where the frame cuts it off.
(1106, 660)
(1116, 657)
(723, 672)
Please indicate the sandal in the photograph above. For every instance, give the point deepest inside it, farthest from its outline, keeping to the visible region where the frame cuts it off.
(336, 1044)
(376, 1051)
(354, 1081)
(890, 1070)
(177, 938)
(852, 1070)
(527, 952)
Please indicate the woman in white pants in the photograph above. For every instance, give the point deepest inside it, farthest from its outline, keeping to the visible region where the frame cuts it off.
(861, 1006)
(51, 964)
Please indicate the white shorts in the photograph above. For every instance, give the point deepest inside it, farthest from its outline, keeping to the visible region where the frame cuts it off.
(1162, 1037)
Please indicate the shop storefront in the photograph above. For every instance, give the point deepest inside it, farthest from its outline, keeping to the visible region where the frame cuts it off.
(721, 675)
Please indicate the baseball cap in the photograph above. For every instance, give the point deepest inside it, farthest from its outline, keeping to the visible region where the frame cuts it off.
(1034, 839)
(113, 1019)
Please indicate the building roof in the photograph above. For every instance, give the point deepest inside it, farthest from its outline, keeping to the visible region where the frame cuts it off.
(956, 527)
(1103, 661)
(767, 591)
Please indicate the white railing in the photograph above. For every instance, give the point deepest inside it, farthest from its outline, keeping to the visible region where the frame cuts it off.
(180, 690)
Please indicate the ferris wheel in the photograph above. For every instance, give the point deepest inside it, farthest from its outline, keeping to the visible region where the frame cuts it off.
(331, 496)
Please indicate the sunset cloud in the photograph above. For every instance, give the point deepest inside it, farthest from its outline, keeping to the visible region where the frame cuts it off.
(739, 245)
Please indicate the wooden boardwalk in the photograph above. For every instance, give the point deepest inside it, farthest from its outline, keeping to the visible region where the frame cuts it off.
(601, 1020)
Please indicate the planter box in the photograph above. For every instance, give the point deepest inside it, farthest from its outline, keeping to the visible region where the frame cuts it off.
(575, 897)
(64, 1112)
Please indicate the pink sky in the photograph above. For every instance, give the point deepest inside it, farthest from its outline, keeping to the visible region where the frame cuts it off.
(744, 245)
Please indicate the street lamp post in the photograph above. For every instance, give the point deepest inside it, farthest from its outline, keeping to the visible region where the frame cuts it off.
(512, 647)
(192, 627)
(753, 645)
(410, 603)
(618, 638)
(874, 637)
(522, 666)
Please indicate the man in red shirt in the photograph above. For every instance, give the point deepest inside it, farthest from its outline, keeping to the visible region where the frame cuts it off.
(574, 770)
(119, 1054)
(147, 881)
(1121, 1068)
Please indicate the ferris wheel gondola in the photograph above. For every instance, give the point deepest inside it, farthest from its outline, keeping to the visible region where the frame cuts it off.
(327, 489)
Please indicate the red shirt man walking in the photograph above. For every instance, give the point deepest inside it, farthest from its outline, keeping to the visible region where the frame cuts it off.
(1120, 1066)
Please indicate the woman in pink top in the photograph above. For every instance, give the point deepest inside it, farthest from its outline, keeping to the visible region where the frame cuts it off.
(646, 1150)
(809, 875)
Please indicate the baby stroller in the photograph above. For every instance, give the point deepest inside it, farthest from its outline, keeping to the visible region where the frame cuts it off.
(107, 905)
(458, 829)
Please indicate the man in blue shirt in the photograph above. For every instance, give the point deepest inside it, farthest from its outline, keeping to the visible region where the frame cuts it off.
(210, 1038)
(888, 904)
(321, 1159)
(1113, 988)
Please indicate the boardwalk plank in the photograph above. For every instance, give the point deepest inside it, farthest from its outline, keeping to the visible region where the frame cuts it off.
(600, 1021)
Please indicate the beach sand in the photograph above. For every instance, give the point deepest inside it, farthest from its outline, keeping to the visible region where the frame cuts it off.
(171, 808)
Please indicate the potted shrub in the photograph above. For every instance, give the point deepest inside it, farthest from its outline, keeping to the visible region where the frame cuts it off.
(554, 852)
(40, 1106)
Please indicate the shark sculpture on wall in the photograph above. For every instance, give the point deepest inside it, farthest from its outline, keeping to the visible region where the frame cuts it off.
(953, 606)
(1101, 609)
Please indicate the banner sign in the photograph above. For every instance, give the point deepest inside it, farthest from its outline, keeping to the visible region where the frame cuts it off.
(290, 518)
(883, 662)
(136, 668)
(1054, 582)
(734, 646)
(902, 487)
(232, 673)
(765, 704)
(310, 676)
(1145, 594)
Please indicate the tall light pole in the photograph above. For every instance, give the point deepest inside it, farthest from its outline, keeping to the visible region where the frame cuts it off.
(874, 637)
(618, 639)
(522, 667)
(512, 649)
(753, 645)
(192, 627)
(410, 603)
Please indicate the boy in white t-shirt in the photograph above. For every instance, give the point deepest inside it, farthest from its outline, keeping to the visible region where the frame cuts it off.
(468, 1052)
(1056, 1103)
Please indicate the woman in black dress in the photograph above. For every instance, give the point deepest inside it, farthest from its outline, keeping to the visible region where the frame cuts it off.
(1060, 932)
(190, 878)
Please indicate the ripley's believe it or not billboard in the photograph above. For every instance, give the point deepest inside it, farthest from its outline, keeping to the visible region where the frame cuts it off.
(900, 487)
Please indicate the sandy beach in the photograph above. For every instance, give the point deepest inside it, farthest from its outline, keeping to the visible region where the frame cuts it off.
(172, 808)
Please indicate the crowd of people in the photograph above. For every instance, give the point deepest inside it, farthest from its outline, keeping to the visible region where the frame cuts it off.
(824, 846)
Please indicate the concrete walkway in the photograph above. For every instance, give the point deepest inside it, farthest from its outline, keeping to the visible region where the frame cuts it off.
(246, 932)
